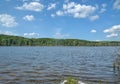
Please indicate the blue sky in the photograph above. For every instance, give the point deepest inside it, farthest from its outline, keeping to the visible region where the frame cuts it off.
(77, 19)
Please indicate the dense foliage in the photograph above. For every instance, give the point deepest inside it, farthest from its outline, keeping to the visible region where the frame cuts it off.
(7, 40)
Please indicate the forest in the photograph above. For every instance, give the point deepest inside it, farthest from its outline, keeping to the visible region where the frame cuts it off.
(8, 40)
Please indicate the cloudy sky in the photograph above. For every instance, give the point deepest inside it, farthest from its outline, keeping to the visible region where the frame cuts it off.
(79, 19)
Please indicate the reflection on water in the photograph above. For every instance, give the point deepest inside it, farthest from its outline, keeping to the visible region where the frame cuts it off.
(48, 65)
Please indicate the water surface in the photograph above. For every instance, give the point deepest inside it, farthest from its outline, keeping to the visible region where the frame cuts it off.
(28, 65)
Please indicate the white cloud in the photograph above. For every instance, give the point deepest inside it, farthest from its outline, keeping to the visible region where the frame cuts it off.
(112, 35)
(58, 34)
(51, 6)
(52, 15)
(29, 18)
(92, 18)
(113, 31)
(31, 35)
(93, 31)
(32, 6)
(104, 5)
(116, 4)
(7, 33)
(59, 13)
(76, 10)
(103, 9)
(7, 20)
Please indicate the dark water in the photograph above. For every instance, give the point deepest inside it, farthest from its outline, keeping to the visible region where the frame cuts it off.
(47, 65)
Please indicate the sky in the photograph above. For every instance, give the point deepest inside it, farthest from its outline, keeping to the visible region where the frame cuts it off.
(96, 20)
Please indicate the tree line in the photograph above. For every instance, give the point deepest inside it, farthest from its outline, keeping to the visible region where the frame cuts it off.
(7, 40)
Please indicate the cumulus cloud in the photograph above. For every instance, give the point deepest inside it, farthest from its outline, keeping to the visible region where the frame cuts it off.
(103, 9)
(76, 10)
(7, 20)
(58, 34)
(112, 35)
(51, 6)
(31, 35)
(93, 31)
(59, 13)
(92, 18)
(29, 18)
(32, 6)
(7, 33)
(116, 4)
(113, 31)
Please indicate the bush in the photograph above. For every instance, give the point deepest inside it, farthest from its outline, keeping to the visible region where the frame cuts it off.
(71, 80)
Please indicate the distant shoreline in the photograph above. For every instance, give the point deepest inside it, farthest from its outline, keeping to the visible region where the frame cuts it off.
(8, 40)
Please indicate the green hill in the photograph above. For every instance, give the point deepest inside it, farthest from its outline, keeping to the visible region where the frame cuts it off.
(7, 40)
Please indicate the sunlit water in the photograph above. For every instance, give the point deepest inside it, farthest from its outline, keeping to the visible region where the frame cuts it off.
(51, 65)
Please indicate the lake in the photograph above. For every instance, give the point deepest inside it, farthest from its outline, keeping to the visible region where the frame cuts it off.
(49, 65)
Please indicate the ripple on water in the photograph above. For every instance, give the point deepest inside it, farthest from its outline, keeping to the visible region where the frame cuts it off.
(47, 65)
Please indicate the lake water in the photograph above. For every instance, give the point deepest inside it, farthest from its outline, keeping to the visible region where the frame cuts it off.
(48, 65)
